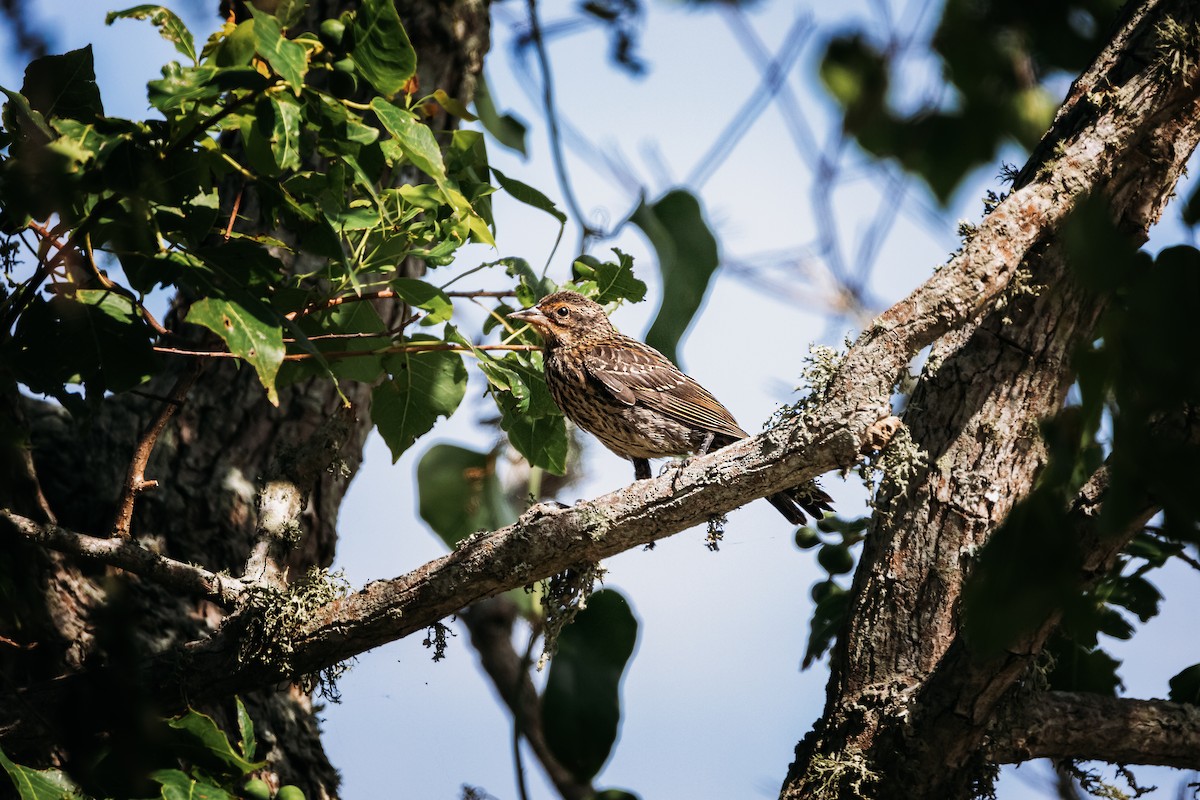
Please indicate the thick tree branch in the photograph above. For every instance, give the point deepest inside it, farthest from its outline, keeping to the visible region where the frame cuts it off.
(1088, 727)
(131, 557)
(905, 695)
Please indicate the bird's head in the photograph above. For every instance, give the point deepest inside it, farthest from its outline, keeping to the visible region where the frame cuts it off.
(564, 318)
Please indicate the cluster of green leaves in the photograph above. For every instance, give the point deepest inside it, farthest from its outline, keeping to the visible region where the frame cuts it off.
(996, 56)
(834, 537)
(325, 132)
(198, 759)
(1136, 407)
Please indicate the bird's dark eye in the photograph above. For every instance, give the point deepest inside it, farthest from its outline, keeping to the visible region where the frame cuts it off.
(563, 311)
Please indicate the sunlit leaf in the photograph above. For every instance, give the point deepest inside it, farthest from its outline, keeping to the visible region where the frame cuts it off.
(249, 334)
(286, 57)
(414, 139)
(170, 27)
(382, 51)
(40, 784)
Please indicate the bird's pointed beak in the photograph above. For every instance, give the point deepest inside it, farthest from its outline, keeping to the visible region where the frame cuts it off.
(532, 316)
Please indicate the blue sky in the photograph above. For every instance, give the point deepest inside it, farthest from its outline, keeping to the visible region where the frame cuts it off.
(714, 699)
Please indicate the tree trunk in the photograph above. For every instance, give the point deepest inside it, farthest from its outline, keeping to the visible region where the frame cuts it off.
(909, 704)
(211, 462)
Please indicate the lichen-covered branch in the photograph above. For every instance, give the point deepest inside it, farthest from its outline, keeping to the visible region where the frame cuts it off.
(129, 555)
(1089, 727)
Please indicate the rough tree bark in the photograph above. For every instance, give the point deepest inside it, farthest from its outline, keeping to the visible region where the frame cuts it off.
(211, 463)
(909, 706)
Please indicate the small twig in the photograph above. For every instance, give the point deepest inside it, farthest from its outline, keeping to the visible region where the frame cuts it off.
(334, 302)
(135, 479)
(237, 206)
(507, 293)
(382, 351)
(556, 147)
(130, 556)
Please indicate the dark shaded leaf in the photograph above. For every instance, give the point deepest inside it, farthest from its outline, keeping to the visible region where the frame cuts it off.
(529, 195)
(687, 258)
(1185, 686)
(581, 706)
(423, 387)
(459, 493)
(64, 86)
(504, 128)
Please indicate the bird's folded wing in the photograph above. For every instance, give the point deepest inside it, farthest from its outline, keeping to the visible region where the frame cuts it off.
(634, 373)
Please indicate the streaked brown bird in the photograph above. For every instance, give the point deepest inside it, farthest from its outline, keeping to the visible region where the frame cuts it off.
(633, 399)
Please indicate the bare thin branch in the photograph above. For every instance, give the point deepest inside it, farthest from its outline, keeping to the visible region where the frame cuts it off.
(135, 478)
(130, 556)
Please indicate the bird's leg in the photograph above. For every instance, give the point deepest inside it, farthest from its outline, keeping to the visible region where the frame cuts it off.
(703, 449)
(641, 469)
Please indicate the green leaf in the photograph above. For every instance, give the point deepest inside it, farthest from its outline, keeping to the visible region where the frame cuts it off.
(1185, 686)
(453, 105)
(581, 706)
(543, 441)
(529, 195)
(423, 387)
(250, 334)
(459, 493)
(607, 280)
(177, 785)
(382, 52)
(1082, 669)
(687, 258)
(170, 27)
(289, 59)
(94, 337)
(64, 86)
(201, 742)
(247, 743)
(179, 86)
(34, 784)
(504, 128)
(272, 135)
(425, 296)
(415, 140)
(530, 287)
(832, 605)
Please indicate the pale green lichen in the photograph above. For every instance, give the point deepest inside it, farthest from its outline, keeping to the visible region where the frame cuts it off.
(1176, 47)
(275, 616)
(833, 776)
(820, 365)
(895, 465)
(1021, 285)
(563, 596)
